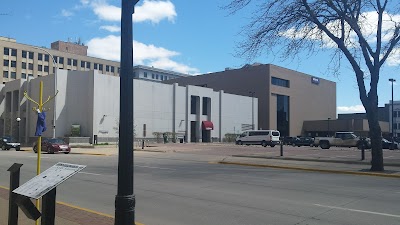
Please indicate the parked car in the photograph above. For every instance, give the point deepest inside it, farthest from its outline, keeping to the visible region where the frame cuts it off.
(386, 144)
(8, 142)
(343, 139)
(53, 145)
(259, 137)
(288, 140)
(303, 141)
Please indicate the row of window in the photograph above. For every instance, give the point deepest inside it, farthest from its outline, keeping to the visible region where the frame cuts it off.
(280, 82)
(13, 75)
(57, 59)
(195, 103)
(23, 65)
(156, 76)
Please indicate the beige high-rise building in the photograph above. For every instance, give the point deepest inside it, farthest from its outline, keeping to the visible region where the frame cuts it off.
(21, 61)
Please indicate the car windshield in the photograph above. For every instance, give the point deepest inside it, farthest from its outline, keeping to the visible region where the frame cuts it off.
(9, 139)
(56, 141)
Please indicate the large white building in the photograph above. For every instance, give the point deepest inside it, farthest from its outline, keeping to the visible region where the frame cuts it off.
(91, 100)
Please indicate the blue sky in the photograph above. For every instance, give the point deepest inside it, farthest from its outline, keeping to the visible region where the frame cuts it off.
(186, 36)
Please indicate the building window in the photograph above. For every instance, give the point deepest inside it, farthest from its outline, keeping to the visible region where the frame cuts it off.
(23, 54)
(279, 82)
(112, 69)
(119, 69)
(107, 68)
(40, 67)
(46, 68)
(40, 56)
(55, 58)
(13, 75)
(101, 67)
(156, 76)
(61, 60)
(23, 75)
(88, 65)
(6, 62)
(13, 52)
(30, 55)
(23, 65)
(5, 74)
(30, 66)
(161, 77)
(6, 52)
(30, 75)
(194, 103)
(206, 106)
(395, 126)
(95, 66)
(145, 74)
(13, 63)
(152, 76)
(395, 114)
(282, 114)
(83, 64)
(74, 62)
(46, 58)
(69, 61)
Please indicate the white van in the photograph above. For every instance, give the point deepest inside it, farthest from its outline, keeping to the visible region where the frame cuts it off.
(259, 137)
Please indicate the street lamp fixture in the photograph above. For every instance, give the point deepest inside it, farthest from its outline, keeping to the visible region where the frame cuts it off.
(55, 65)
(18, 120)
(252, 109)
(392, 122)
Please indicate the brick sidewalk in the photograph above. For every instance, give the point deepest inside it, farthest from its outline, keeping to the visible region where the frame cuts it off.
(65, 214)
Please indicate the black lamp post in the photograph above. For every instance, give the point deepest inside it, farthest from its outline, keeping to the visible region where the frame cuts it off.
(252, 109)
(392, 145)
(18, 120)
(125, 198)
(329, 119)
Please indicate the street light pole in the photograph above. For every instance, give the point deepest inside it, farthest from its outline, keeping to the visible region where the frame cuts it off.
(392, 145)
(125, 198)
(252, 109)
(329, 119)
(55, 65)
(18, 120)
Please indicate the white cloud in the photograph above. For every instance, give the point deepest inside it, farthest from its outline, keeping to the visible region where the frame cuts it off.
(351, 109)
(111, 28)
(150, 10)
(150, 55)
(66, 13)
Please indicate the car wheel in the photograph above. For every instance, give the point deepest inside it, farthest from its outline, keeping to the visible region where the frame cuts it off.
(272, 146)
(360, 145)
(35, 149)
(324, 145)
(264, 143)
(3, 147)
(49, 150)
(17, 149)
(66, 152)
(240, 143)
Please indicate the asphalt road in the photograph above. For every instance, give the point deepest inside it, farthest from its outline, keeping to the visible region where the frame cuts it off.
(183, 189)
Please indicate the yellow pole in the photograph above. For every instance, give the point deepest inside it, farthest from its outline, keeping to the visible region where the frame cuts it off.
(39, 144)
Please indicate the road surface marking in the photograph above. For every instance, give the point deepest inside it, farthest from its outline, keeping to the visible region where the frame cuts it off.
(91, 173)
(152, 167)
(361, 211)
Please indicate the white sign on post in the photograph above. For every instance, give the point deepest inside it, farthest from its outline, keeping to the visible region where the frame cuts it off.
(49, 179)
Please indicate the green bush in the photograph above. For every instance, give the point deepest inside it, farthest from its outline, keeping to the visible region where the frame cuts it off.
(229, 137)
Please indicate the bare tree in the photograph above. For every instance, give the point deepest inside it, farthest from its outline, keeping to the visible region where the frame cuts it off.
(363, 32)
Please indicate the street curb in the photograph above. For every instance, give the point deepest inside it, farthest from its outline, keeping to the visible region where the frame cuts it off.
(313, 160)
(312, 169)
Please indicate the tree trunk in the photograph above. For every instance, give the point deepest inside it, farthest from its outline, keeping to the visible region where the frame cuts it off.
(375, 134)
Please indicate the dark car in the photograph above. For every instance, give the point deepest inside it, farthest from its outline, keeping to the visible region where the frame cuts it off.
(303, 141)
(53, 145)
(386, 144)
(288, 140)
(8, 142)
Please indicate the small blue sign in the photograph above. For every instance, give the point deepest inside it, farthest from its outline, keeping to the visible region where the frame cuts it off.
(315, 80)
